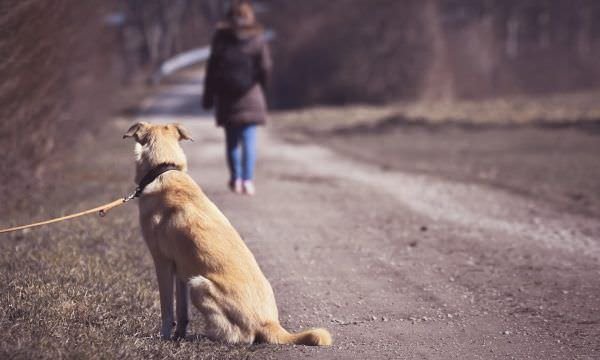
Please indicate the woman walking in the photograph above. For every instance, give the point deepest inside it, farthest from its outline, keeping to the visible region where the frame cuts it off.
(237, 73)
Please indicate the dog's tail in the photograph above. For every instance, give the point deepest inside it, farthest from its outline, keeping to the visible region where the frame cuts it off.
(275, 334)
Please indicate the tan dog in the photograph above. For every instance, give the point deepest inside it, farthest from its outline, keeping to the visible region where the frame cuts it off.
(194, 245)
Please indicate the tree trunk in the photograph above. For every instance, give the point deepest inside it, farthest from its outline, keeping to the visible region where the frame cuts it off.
(439, 79)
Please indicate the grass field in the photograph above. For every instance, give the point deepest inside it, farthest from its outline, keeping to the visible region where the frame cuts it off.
(549, 110)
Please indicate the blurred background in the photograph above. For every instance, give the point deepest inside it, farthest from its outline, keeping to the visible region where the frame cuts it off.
(431, 153)
(66, 64)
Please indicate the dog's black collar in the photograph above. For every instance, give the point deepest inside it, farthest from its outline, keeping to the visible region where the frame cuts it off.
(152, 175)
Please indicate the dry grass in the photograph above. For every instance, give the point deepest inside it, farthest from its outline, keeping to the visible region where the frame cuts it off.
(85, 288)
(57, 65)
(559, 109)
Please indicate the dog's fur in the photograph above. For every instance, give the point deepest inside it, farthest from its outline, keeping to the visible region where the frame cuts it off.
(194, 246)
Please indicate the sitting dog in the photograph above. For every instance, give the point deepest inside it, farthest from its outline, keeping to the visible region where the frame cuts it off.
(194, 247)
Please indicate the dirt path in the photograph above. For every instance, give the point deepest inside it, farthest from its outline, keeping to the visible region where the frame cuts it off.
(398, 265)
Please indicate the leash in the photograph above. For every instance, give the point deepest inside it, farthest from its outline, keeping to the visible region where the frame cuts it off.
(103, 209)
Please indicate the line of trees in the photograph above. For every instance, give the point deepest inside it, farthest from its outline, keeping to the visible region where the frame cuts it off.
(385, 50)
(50, 54)
(154, 30)
(63, 64)
(63, 61)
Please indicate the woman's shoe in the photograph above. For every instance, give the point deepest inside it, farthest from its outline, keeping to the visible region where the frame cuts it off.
(236, 186)
(248, 187)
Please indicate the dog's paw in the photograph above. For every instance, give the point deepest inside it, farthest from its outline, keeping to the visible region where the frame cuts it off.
(166, 330)
(179, 335)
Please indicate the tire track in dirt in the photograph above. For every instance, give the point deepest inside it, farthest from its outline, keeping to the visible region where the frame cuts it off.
(466, 205)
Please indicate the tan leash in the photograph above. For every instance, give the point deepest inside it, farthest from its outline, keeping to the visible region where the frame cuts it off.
(101, 210)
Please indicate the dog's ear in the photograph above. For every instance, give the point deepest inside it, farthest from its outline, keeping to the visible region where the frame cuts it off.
(137, 131)
(183, 133)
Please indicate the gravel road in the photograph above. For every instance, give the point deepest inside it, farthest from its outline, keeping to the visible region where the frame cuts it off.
(403, 265)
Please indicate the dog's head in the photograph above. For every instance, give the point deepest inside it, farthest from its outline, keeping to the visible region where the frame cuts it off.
(157, 144)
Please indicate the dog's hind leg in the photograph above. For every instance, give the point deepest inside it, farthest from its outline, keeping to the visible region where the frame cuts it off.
(165, 275)
(181, 296)
(207, 298)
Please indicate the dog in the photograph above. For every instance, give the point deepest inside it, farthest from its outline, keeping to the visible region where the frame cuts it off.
(196, 250)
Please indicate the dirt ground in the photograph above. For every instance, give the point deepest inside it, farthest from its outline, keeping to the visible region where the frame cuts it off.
(405, 242)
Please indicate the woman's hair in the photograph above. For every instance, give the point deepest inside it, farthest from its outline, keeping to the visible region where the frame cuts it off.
(241, 14)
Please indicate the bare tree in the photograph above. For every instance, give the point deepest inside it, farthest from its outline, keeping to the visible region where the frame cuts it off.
(438, 82)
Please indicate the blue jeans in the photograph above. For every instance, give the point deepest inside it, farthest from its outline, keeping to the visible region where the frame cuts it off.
(241, 139)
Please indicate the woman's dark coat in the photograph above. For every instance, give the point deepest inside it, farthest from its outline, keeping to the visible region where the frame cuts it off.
(251, 107)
